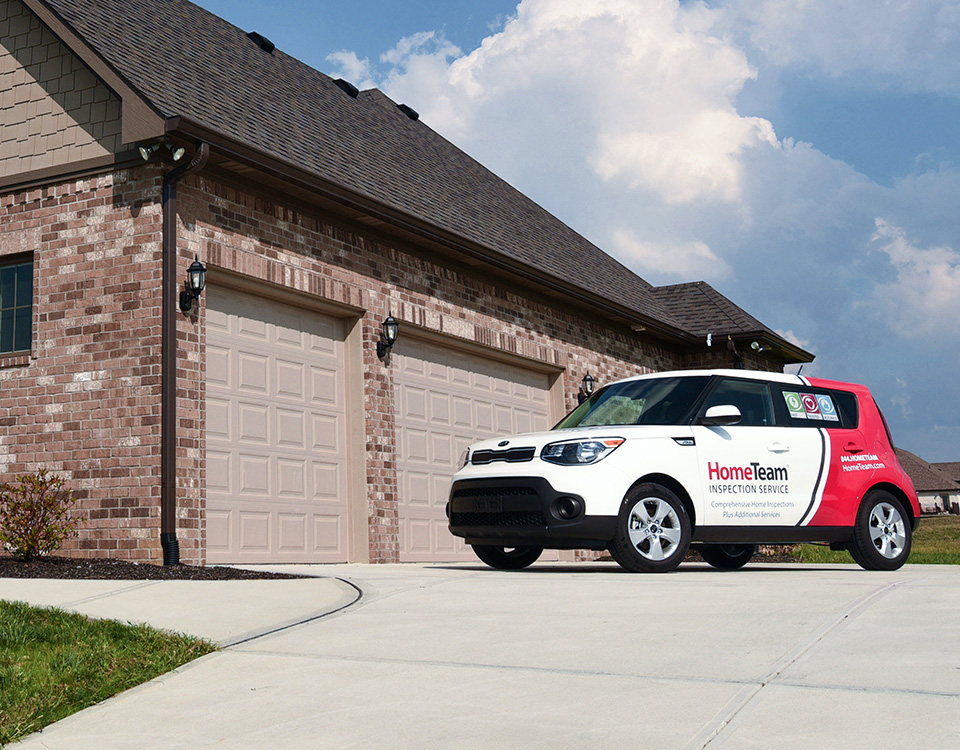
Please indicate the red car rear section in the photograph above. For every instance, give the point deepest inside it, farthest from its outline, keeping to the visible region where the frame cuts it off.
(861, 460)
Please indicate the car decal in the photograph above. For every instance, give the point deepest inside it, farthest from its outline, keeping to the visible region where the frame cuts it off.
(819, 485)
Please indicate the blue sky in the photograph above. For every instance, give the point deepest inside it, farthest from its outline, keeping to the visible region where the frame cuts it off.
(803, 156)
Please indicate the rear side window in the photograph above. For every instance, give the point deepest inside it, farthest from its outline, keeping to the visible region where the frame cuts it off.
(803, 406)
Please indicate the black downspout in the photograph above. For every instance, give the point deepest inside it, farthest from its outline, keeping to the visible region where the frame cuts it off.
(168, 357)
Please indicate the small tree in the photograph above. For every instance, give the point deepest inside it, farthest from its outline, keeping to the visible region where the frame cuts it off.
(33, 514)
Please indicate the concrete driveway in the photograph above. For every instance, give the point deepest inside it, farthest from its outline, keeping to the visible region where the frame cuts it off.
(564, 656)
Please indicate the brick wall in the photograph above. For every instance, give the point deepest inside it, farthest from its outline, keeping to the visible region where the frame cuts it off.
(53, 109)
(85, 402)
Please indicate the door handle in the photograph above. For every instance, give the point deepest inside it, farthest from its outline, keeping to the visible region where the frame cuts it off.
(852, 447)
(778, 448)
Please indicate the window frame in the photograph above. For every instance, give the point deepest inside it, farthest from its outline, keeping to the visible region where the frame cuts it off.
(711, 391)
(14, 261)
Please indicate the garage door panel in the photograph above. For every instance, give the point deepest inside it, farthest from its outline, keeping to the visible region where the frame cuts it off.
(218, 530)
(218, 365)
(276, 432)
(446, 401)
(328, 534)
(326, 481)
(218, 417)
(327, 433)
(252, 372)
(290, 429)
(291, 478)
(290, 380)
(413, 402)
(254, 531)
(292, 528)
(253, 419)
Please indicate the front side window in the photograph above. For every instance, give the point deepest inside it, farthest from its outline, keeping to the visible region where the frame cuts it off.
(16, 306)
(657, 401)
(750, 397)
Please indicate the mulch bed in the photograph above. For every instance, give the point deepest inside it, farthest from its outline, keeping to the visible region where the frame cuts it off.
(102, 568)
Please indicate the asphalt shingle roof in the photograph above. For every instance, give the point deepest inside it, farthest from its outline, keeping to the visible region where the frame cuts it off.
(188, 62)
(925, 476)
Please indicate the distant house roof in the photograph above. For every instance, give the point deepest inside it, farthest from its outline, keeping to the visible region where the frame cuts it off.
(950, 468)
(925, 476)
(191, 66)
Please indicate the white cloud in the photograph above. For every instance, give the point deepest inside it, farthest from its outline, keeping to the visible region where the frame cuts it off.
(924, 297)
(641, 89)
(915, 43)
(351, 68)
(686, 261)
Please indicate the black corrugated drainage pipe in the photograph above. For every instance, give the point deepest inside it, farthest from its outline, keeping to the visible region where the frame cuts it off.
(168, 357)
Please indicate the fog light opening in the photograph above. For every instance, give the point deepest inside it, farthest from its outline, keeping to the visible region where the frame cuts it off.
(569, 507)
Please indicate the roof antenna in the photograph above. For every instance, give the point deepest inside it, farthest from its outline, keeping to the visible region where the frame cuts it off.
(799, 371)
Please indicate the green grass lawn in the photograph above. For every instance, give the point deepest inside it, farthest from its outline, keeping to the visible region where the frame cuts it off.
(935, 542)
(53, 663)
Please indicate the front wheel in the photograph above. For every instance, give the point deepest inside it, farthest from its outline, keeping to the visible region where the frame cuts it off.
(881, 534)
(653, 531)
(727, 556)
(507, 558)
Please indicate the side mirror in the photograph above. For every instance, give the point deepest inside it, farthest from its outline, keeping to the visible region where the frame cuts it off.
(725, 414)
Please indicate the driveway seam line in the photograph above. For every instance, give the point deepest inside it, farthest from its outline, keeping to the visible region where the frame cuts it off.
(304, 621)
(855, 608)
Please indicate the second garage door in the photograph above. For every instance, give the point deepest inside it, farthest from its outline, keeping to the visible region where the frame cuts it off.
(276, 432)
(445, 400)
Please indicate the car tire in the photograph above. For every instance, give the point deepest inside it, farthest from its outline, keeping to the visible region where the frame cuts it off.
(653, 531)
(507, 558)
(881, 534)
(727, 556)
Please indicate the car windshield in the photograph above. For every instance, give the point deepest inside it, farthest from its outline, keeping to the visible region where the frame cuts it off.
(656, 401)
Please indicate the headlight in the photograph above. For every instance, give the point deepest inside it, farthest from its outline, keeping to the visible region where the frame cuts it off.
(577, 452)
(464, 458)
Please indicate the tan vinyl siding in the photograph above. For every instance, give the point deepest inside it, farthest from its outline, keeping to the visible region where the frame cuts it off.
(53, 110)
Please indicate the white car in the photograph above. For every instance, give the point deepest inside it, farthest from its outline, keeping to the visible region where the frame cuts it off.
(724, 459)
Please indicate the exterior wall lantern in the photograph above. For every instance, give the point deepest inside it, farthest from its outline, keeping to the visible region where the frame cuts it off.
(586, 388)
(196, 281)
(388, 336)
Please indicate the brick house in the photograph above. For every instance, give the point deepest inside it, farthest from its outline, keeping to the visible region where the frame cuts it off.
(261, 424)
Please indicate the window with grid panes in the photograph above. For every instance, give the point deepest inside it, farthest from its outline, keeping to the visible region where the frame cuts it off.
(16, 305)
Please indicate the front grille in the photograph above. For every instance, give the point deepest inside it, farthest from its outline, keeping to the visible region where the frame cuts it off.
(507, 518)
(494, 493)
(510, 455)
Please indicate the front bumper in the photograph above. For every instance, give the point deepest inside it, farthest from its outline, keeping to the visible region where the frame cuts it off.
(522, 512)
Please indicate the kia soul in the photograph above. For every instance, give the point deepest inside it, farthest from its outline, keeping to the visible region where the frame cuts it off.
(720, 459)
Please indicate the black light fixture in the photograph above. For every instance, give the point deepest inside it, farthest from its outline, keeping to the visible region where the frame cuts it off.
(586, 388)
(147, 151)
(388, 336)
(196, 281)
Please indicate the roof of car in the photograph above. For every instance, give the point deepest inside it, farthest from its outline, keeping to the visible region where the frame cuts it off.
(189, 63)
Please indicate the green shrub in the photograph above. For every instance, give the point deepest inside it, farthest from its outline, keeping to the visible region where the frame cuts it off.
(34, 516)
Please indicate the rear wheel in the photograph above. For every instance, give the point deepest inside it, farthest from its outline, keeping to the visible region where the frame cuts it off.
(653, 531)
(727, 556)
(507, 558)
(881, 535)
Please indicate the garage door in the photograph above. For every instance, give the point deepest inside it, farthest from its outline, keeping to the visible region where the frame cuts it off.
(445, 401)
(276, 432)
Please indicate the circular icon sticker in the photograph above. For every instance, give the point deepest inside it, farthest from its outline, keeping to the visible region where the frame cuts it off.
(793, 402)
